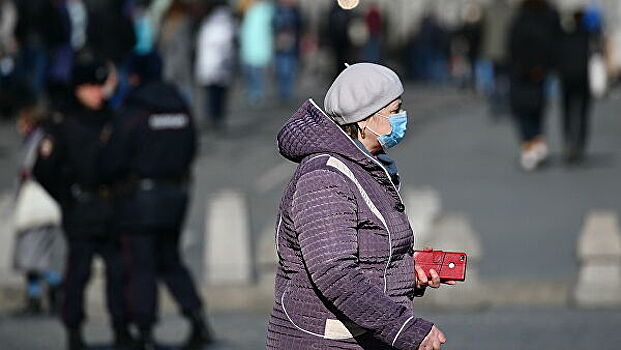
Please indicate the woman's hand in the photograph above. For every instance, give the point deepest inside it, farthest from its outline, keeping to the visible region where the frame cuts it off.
(422, 281)
(433, 340)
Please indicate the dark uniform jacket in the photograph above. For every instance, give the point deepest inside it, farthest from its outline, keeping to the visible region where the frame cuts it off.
(573, 57)
(149, 157)
(68, 168)
(533, 46)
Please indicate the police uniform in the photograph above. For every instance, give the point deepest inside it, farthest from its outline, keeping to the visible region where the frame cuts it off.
(149, 156)
(67, 168)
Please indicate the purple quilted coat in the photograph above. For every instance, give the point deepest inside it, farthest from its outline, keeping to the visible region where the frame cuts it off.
(345, 278)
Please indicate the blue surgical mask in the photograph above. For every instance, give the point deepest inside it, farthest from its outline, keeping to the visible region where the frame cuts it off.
(398, 123)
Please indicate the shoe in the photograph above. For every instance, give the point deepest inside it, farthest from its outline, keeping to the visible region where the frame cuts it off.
(33, 308)
(200, 335)
(528, 160)
(533, 154)
(145, 340)
(123, 339)
(75, 340)
(573, 156)
(540, 147)
(145, 344)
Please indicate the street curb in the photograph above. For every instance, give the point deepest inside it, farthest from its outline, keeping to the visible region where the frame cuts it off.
(259, 297)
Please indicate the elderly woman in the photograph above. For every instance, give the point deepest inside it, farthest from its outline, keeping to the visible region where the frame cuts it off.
(346, 277)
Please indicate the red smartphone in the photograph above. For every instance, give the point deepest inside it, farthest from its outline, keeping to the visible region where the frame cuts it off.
(451, 266)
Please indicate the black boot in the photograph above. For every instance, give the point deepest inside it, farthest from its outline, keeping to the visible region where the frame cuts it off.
(123, 339)
(75, 341)
(200, 335)
(145, 340)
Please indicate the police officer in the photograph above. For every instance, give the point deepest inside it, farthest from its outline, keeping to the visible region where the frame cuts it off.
(149, 155)
(67, 168)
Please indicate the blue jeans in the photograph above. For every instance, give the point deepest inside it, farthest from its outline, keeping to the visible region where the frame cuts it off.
(286, 69)
(255, 83)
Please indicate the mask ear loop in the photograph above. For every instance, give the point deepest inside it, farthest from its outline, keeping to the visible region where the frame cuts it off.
(381, 115)
(363, 129)
(373, 131)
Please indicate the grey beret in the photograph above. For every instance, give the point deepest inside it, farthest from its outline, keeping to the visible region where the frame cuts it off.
(361, 90)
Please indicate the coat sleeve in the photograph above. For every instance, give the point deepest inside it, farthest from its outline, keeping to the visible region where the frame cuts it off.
(49, 169)
(324, 212)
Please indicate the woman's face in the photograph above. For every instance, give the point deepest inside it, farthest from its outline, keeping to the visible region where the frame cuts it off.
(378, 122)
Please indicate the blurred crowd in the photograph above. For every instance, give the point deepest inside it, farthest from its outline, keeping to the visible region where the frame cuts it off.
(206, 44)
(200, 42)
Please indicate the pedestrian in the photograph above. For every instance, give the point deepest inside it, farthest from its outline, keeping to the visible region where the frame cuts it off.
(374, 22)
(346, 276)
(148, 18)
(149, 157)
(175, 46)
(432, 50)
(497, 17)
(470, 35)
(110, 31)
(57, 30)
(8, 20)
(287, 36)
(78, 16)
(31, 62)
(533, 43)
(8, 51)
(68, 168)
(37, 221)
(573, 70)
(215, 60)
(256, 47)
(337, 36)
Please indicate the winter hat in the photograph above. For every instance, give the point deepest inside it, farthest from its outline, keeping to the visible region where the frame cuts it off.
(361, 90)
(89, 72)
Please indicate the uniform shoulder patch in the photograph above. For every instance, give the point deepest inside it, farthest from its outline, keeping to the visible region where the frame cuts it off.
(168, 121)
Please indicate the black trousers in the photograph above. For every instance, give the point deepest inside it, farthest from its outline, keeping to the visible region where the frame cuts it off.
(150, 256)
(77, 274)
(528, 105)
(216, 95)
(576, 105)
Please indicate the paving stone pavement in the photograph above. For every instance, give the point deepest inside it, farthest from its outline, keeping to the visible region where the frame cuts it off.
(493, 329)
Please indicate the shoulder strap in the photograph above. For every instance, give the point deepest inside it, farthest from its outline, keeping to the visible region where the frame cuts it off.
(31, 150)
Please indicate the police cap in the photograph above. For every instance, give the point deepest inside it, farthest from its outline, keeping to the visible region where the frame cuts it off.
(89, 72)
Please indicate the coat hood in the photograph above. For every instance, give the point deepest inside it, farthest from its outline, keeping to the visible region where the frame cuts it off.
(310, 131)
